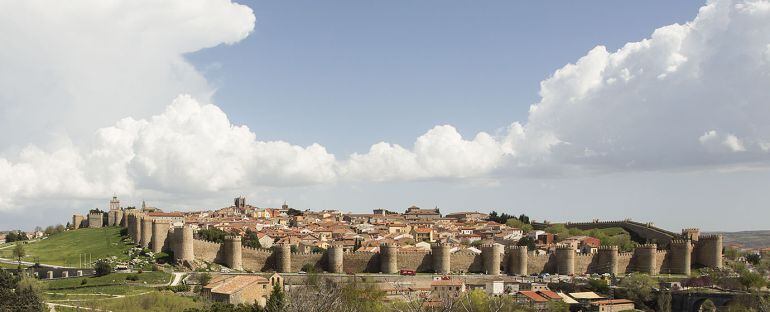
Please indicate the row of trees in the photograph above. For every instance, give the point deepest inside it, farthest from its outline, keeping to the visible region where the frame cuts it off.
(15, 236)
(212, 235)
(609, 237)
(504, 217)
(249, 239)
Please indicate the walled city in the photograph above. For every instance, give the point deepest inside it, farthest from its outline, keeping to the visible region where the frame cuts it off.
(419, 240)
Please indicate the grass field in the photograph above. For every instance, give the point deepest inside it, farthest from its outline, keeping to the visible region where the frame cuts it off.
(66, 247)
(114, 293)
(148, 278)
(152, 301)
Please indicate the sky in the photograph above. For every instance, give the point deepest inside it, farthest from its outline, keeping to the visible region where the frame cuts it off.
(655, 111)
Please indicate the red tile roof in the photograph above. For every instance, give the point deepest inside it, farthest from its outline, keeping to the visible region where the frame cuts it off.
(533, 296)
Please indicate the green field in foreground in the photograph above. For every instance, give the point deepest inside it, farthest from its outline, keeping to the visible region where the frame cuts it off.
(66, 247)
(152, 301)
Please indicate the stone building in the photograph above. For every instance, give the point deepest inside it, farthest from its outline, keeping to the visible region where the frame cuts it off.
(241, 289)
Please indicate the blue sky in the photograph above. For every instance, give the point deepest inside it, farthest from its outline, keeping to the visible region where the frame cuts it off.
(348, 74)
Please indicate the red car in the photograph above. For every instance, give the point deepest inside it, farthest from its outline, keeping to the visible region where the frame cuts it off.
(407, 272)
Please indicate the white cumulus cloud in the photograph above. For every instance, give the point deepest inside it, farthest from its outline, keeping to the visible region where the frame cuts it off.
(74, 66)
(190, 147)
(648, 104)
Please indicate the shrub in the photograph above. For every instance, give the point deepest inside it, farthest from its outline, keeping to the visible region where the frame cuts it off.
(204, 278)
(132, 277)
(102, 267)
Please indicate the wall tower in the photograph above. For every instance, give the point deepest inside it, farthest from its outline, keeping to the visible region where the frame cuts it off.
(608, 259)
(388, 258)
(681, 256)
(283, 258)
(233, 252)
(517, 260)
(159, 238)
(146, 236)
(441, 253)
(491, 253)
(565, 260)
(334, 258)
(647, 258)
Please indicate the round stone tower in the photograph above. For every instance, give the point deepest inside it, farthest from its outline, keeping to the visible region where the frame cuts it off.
(388, 258)
(334, 258)
(233, 252)
(283, 258)
(183, 247)
(517, 260)
(160, 235)
(565, 260)
(647, 258)
(440, 252)
(130, 226)
(137, 229)
(710, 250)
(491, 253)
(608, 259)
(681, 256)
(146, 232)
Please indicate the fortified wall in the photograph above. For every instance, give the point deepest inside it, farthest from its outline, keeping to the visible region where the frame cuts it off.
(679, 256)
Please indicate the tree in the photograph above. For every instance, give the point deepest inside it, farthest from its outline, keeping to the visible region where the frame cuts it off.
(753, 258)
(639, 287)
(250, 239)
(527, 241)
(730, 253)
(102, 267)
(19, 294)
(277, 300)
(664, 301)
(599, 285)
(19, 252)
(516, 223)
(558, 306)
(204, 279)
(212, 234)
(559, 230)
(751, 280)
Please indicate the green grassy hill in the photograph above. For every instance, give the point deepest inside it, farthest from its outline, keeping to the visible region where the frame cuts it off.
(65, 248)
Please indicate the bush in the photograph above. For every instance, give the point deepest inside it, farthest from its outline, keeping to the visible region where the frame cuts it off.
(132, 277)
(84, 281)
(309, 268)
(102, 267)
(204, 278)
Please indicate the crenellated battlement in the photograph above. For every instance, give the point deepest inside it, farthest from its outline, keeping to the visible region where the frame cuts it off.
(516, 248)
(710, 237)
(606, 247)
(677, 243)
(564, 247)
(647, 246)
(258, 250)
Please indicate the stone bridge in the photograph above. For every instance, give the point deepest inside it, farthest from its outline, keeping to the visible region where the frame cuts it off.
(688, 301)
(640, 232)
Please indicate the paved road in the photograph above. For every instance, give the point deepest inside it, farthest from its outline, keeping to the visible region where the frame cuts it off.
(177, 278)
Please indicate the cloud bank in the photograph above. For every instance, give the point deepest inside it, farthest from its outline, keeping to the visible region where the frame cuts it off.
(690, 96)
(69, 67)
